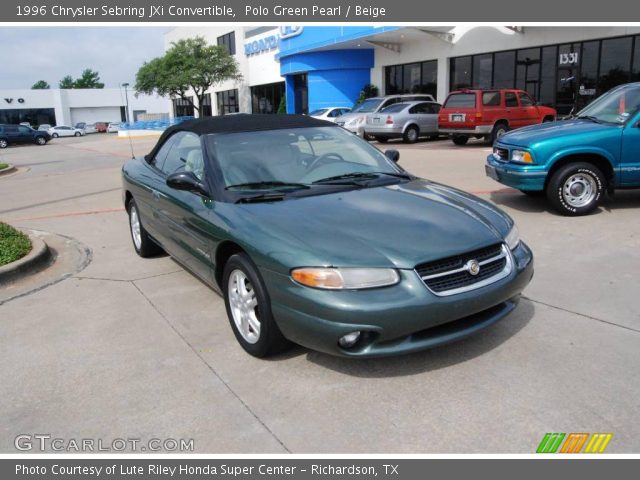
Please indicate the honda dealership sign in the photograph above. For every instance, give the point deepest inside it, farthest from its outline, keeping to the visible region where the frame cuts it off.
(272, 41)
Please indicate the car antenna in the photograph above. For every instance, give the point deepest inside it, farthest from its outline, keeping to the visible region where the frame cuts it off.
(133, 155)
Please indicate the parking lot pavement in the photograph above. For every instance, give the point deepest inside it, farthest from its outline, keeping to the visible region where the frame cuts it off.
(141, 349)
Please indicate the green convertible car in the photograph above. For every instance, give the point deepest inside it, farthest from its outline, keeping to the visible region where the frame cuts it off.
(313, 236)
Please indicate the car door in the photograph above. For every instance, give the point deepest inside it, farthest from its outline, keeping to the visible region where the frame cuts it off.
(418, 114)
(512, 110)
(25, 134)
(11, 133)
(432, 110)
(630, 153)
(183, 215)
(530, 115)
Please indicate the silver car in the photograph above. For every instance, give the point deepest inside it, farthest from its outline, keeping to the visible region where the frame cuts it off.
(356, 119)
(408, 120)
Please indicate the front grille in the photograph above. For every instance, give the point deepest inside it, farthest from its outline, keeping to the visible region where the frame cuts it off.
(451, 275)
(501, 154)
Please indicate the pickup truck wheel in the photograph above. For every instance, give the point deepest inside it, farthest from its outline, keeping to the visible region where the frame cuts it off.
(411, 134)
(3, 143)
(576, 189)
(249, 308)
(381, 139)
(41, 140)
(460, 139)
(499, 129)
(142, 243)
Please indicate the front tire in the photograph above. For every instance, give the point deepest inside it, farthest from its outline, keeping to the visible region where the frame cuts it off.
(576, 189)
(41, 141)
(411, 134)
(249, 308)
(142, 243)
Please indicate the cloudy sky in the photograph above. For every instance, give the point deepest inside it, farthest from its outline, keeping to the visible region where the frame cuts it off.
(50, 53)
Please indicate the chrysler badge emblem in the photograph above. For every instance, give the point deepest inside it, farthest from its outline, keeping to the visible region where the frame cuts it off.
(473, 267)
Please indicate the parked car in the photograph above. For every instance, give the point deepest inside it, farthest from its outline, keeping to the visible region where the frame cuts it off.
(329, 113)
(489, 114)
(313, 236)
(25, 124)
(89, 128)
(44, 127)
(13, 134)
(113, 127)
(101, 127)
(65, 131)
(575, 162)
(408, 121)
(354, 121)
(81, 126)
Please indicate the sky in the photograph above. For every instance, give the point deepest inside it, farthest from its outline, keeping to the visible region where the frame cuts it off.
(30, 54)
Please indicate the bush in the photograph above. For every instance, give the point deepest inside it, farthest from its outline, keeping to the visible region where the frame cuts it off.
(3, 166)
(13, 244)
(367, 91)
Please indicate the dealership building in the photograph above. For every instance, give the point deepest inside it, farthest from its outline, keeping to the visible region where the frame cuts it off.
(71, 106)
(321, 66)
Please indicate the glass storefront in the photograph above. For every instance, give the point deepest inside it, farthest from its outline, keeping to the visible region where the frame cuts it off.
(228, 101)
(35, 116)
(182, 107)
(205, 108)
(566, 76)
(266, 98)
(421, 77)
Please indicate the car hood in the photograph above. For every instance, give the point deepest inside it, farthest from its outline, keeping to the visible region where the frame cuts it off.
(528, 136)
(396, 226)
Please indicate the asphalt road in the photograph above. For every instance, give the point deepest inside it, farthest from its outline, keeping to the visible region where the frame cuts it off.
(134, 348)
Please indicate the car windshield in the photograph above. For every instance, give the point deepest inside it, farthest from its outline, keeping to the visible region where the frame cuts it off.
(299, 158)
(367, 106)
(615, 107)
(317, 113)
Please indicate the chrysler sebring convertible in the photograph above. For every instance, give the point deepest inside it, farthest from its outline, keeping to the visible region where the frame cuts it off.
(313, 236)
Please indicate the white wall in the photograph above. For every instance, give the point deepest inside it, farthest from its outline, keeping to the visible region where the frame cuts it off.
(94, 114)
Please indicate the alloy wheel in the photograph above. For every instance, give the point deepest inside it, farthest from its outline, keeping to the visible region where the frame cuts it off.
(134, 222)
(244, 306)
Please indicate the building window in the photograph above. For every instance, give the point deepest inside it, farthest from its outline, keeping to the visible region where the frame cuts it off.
(227, 102)
(412, 78)
(183, 107)
(635, 70)
(267, 98)
(228, 41)
(504, 69)
(205, 108)
(528, 71)
(35, 116)
(614, 62)
(460, 73)
(547, 91)
(482, 71)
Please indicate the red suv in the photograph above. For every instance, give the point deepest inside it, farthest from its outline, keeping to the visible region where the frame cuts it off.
(489, 114)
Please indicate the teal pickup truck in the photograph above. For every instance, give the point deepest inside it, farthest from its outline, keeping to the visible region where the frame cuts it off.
(576, 161)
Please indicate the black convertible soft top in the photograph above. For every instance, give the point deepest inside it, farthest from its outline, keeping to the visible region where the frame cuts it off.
(240, 122)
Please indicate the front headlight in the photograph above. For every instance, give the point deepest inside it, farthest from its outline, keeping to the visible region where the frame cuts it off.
(513, 238)
(521, 156)
(345, 278)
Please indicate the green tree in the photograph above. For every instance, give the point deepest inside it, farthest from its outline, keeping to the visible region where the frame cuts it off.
(188, 68)
(88, 79)
(40, 85)
(66, 82)
(367, 91)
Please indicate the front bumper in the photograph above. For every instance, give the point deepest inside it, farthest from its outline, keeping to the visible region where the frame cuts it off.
(403, 318)
(521, 177)
(477, 130)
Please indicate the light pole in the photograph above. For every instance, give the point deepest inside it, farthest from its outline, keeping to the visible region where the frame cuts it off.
(126, 96)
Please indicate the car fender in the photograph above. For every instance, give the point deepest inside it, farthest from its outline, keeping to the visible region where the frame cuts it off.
(408, 124)
(581, 150)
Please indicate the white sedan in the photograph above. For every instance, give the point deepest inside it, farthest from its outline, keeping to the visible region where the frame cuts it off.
(113, 127)
(329, 113)
(64, 131)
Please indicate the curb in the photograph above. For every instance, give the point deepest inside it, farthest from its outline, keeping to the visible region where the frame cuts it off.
(9, 169)
(36, 258)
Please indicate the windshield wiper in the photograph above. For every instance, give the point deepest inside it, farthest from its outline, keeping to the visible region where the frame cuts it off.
(362, 175)
(264, 197)
(266, 185)
(590, 117)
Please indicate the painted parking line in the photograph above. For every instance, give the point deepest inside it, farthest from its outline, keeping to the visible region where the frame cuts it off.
(69, 214)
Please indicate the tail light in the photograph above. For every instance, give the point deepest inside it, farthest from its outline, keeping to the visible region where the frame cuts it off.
(389, 120)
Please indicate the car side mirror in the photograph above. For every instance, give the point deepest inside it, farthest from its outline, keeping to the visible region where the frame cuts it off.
(187, 182)
(393, 155)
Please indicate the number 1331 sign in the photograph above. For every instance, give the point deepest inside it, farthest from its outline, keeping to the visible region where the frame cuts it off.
(569, 58)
